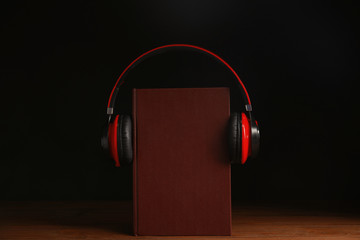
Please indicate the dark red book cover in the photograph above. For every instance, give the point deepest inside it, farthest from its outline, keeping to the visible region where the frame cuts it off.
(181, 166)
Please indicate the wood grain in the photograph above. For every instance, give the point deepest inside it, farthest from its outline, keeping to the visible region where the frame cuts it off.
(112, 220)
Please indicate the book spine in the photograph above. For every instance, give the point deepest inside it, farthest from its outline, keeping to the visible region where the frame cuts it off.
(135, 199)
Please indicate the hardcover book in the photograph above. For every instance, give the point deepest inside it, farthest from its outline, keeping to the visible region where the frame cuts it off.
(181, 169)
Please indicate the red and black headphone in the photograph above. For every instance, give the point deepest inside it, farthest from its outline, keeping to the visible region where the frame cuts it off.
(244, 134)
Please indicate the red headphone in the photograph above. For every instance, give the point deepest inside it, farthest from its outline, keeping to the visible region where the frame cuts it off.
(244, 134)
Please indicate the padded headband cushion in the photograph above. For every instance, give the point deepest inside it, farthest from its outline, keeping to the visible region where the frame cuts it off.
(235, 138)
(124, 140)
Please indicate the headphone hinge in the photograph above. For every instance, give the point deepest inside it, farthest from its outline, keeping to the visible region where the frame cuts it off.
(248, 107)
(110, 111)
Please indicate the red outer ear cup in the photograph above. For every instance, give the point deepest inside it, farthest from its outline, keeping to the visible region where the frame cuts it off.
(245, 138)
(113, 145)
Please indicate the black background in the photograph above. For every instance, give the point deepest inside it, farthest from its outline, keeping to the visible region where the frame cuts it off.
(299, 61)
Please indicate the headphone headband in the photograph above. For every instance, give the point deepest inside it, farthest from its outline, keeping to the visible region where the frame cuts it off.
(120, 81)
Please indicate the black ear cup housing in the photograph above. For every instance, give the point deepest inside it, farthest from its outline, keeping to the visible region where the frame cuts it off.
(234, 133)
(105, 140)
(255, 137)
(124, 139)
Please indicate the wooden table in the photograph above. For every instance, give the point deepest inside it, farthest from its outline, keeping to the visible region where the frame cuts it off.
(112, 220)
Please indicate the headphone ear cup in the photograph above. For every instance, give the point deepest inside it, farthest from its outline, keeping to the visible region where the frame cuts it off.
(235, 138)
(120, 140)
(124, 142)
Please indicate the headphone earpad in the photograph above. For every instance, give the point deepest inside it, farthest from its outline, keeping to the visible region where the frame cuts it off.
(239, 138)
(235, 138)
(245, 138)
(124, 139)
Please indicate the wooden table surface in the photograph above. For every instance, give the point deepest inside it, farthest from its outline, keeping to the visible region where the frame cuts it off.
(112, 220)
